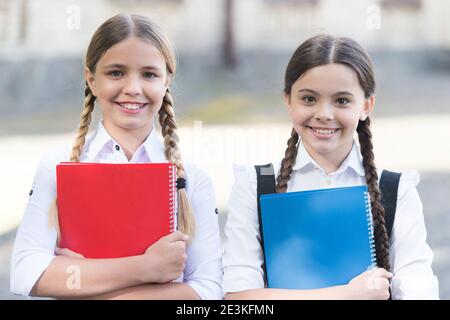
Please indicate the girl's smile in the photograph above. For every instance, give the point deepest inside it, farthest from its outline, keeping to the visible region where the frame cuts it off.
(323, 133)
(131, 107)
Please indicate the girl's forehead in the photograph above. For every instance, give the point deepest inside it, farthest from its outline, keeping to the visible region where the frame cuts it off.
(329, 78)
(133, 52)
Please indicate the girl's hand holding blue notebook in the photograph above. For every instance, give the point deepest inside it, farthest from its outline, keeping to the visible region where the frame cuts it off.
(370, 285)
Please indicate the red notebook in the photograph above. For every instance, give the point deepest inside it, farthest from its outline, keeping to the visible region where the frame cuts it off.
(114, 210)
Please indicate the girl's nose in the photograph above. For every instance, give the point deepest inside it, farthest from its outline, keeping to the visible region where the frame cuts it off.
(324, 112)
(133, 87)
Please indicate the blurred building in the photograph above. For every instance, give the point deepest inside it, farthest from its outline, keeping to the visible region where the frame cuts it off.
(64, 27)
(43, 42)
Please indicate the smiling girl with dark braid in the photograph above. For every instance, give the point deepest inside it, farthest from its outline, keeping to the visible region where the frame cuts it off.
(329, 93)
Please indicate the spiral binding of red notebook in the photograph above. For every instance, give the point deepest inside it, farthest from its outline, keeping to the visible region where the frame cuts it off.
(114, 210)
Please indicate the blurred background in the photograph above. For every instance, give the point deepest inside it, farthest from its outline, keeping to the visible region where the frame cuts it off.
(228, 89)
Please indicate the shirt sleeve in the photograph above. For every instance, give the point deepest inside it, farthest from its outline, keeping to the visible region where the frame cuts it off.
(35, 240)
(411, 256)
(203, 270)
(243, 256)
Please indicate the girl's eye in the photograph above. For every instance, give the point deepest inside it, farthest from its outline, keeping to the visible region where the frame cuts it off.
(115, 73)
(149, 75)
(309, 99)
(343, 101)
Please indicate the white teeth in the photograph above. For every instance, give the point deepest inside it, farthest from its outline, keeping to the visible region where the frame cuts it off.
(131, 106)
(324, 131)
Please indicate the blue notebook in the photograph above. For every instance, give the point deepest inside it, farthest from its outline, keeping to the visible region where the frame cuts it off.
(316, 239)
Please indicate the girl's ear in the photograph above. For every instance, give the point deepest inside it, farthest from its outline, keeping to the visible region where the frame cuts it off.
(369, 103)
(287, 102)
(168, 80)
(89, 77)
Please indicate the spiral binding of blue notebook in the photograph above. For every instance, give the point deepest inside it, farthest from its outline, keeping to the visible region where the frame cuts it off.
(316, 239)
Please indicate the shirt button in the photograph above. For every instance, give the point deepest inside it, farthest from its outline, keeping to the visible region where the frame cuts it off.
(31, 192)
(328, 182)
(117, 147)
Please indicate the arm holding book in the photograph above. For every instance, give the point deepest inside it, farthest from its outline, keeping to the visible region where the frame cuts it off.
(202, 272)
(95, 276)
(370, 285)
(120, 278)
(243, 272)
(156, 291)
(35, 270)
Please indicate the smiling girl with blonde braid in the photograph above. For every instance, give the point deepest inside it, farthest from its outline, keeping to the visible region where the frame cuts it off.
(129, 67)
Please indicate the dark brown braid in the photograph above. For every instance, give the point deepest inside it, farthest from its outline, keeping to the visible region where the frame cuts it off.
(380, 232)
(288, 162)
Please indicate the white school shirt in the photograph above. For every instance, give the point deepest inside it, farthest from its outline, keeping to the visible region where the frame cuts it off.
(410, 255)
(35, 242)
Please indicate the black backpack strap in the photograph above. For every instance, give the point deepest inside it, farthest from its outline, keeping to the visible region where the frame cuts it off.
(265, 178)
(389, 182)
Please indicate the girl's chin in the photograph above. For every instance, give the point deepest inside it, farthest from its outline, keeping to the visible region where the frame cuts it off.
(328, 147)
(132, 123)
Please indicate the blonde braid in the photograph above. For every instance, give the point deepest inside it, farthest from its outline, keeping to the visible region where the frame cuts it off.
(288, 162)
(86, 117)
(186, 222)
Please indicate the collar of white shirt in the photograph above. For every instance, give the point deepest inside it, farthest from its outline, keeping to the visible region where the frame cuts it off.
(102, 142)
(306, 163)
